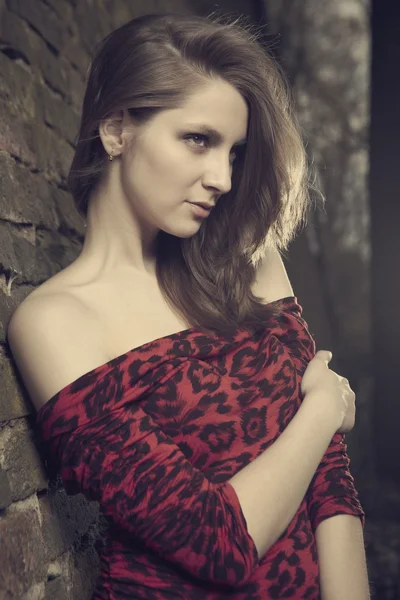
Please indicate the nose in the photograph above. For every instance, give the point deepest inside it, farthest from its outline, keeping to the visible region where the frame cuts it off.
(219, 175)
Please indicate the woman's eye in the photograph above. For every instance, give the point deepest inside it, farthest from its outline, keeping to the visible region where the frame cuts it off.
(204, 138)
(199, 136)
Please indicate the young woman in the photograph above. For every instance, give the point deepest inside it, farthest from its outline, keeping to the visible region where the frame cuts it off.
(176, 382)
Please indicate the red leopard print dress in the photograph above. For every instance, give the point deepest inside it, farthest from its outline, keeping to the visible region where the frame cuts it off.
(155, 434)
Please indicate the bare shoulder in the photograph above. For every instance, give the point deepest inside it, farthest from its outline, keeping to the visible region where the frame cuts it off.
(272, 281)
(53, 342)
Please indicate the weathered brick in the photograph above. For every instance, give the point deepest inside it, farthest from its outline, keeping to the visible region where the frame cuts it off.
(99, 20)
(52, 71)
(29, 195)
(35, 592)
(20, 459)
(17, 86)
(30, 261)
(77, 55)
(13, 404)
(68, 215)
(54, 155)
(5, 491)
(13, 139)
(63, 9)
(12, 296)
(16, 34)
(65, 519)
(84, 573)
(58, 114)
(56, 249)
(59, 574)
(56, 589)
(121, 13)
(43, 19)
(22, 554)
(53, 532)
(75, 83)
(15, 131)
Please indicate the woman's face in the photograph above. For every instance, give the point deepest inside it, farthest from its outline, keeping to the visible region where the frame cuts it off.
(173, 161)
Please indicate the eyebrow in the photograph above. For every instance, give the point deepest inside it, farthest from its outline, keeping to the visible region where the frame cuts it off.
(218, 137)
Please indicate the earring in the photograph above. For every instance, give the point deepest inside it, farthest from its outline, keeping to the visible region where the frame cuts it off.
(110, 156)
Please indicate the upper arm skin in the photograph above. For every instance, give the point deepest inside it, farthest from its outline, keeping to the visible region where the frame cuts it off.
(339, 538)
(48, 345)
(32, 335)
(272, 281)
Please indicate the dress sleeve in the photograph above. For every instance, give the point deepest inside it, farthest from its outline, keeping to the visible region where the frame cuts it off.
(331, 491)
(147, 487)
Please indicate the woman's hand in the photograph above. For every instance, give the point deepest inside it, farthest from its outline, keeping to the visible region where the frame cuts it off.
(329, 392)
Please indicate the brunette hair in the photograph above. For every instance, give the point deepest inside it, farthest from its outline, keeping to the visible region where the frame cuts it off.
(152, 63)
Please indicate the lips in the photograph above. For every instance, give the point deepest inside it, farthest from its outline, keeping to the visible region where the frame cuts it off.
(199, 210)
(204, 205)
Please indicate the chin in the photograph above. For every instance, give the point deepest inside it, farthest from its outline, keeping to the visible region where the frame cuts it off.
(183, 231)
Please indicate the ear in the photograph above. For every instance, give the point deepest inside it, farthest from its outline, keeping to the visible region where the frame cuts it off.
(111, 132)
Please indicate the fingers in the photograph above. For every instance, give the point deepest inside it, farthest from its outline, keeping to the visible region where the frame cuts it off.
(345, 382)
(325, 355)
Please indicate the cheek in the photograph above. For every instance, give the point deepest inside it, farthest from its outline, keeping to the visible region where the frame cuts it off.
(141, 172)
(168, 168)
(150, 179)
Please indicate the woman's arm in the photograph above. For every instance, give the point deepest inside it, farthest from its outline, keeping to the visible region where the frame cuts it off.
(339, 536)
(342, 562)
(272, 282)
(277, 470)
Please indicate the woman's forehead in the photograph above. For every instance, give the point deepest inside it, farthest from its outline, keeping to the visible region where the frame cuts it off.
(216, 115)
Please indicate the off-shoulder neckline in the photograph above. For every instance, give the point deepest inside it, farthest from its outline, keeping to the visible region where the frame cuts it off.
(117, 359)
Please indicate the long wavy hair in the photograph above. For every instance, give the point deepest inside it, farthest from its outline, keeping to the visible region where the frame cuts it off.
(151, 64)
